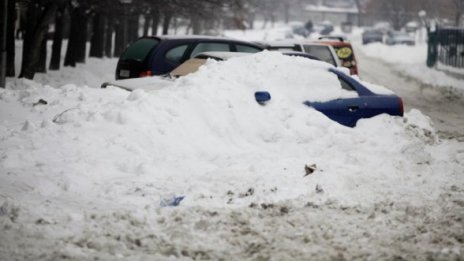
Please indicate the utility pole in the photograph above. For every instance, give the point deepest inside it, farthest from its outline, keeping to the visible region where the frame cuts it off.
(3, 45)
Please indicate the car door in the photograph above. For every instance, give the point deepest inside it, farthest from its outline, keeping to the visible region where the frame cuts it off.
(347, 111)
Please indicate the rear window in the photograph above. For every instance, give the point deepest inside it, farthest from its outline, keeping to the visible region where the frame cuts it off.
(321, 52)
(139, 50)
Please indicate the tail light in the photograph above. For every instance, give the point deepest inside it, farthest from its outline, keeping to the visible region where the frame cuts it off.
(145, 73)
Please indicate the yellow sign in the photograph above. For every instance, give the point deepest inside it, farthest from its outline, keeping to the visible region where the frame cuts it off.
(344, 52)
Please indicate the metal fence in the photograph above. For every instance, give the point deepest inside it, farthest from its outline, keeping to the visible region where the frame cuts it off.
(446, 45)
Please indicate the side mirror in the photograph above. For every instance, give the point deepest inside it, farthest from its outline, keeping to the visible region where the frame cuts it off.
(262, 97)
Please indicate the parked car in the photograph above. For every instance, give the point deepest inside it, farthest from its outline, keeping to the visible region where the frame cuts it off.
(298, 28)
(412, 26)
(396, 37)
(324, 28)
(371, 36)
(323, 52)
(362, 103)
(221, 56)
(157, 55)
(344, 51)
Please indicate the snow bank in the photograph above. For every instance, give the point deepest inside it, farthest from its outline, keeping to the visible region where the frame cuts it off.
(87, 168)
(204, 130)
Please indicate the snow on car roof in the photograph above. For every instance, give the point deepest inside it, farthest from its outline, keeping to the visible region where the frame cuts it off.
(296, 77)
(284, 76)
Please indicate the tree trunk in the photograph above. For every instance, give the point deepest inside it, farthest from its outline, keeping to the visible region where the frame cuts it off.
(97, 43)
(146, 25)
(82, 40)
(286, 12)
(57, 40)
(119, 38)
(32, 14)
(360, 12)
(37, 32)
(133, 28)
(10, 40)
(109, 36)
(71, 51)
(42, 64)
(156, 21)
(166, 21)
(196, 25)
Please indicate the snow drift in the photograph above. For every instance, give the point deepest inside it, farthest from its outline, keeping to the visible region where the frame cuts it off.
(92, 164)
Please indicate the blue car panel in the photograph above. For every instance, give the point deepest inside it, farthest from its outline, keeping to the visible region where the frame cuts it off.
(347, 111)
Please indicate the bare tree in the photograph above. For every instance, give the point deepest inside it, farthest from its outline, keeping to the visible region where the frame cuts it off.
(40, 14)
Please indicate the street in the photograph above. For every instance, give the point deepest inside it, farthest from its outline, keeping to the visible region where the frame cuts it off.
(444, 106)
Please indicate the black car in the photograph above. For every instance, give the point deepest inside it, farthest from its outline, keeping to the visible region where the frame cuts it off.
(158, 55)
(371, 36)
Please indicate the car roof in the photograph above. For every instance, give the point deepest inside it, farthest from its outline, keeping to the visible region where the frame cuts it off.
(290, 43)
(340, 38)
(219, 55)
(192, 36)
(195, 37)
(334, 43)
(301, 54)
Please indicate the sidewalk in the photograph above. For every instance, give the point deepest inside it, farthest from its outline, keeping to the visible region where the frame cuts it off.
(454, 72)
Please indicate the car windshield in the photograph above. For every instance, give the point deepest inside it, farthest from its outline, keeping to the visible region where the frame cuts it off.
(321, 52)
(140, 49)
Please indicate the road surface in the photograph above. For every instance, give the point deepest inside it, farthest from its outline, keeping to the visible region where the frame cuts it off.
(444, 106)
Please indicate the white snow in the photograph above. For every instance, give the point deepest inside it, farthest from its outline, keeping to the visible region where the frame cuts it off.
(85, 175)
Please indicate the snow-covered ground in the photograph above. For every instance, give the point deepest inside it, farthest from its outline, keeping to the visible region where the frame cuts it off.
(409, 61)
(88, 174)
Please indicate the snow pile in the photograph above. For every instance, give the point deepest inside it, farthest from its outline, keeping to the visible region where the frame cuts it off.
(90, 169)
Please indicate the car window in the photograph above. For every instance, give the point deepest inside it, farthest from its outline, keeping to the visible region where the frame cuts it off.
(210, 47)
(281, 48)
(321, 52)
(345, 85)
(246, 49)
(175, 54)
(139, 50)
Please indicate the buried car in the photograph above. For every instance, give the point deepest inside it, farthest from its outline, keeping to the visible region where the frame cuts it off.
(316, 84)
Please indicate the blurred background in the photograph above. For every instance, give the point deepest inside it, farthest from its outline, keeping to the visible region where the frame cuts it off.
(108, 26)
